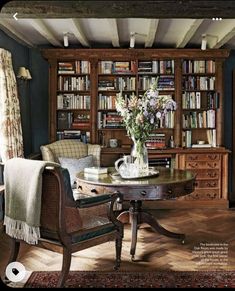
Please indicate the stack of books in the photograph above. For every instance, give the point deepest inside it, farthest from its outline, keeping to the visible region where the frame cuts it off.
(95, 172)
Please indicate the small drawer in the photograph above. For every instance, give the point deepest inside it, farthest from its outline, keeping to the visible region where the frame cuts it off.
(170, 191)
(203, 157)
(206, 174)
(203, 165)
(207, 184)
(90, 189)
(203, 194)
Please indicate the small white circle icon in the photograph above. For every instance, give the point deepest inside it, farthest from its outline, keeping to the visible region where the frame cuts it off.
(15, 272)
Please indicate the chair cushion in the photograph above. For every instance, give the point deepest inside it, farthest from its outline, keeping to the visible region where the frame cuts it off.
(75, 166)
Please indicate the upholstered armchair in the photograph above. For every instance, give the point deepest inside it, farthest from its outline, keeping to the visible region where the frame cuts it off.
(73, 155)
(67, 223)
(70, 148)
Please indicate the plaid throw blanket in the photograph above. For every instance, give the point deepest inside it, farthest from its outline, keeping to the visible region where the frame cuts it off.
(23, 191)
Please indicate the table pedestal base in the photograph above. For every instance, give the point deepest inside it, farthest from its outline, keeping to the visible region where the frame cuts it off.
(136, 216)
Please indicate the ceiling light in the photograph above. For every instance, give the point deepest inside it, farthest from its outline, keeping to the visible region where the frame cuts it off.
(132, 40)
(66, 40)
(205, 38)
(133, 37)
(204, 42)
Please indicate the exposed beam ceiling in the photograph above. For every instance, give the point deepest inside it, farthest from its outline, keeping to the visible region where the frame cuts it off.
(41, 27)
(224, 39)
(188, 35)
(112, 23)
(120, 9)
(9, 29)
(151, 32)
(78, 32)
(164, 24)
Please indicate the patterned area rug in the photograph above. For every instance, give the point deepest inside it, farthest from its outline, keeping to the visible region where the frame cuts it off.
(161, 279)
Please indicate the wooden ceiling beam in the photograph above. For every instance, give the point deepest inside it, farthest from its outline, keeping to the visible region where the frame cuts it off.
(153, 25)
(79, 33)
(16, 35)
(42, 28)
(120, 9)
(189, 34)
(224, 39)
(113, 28)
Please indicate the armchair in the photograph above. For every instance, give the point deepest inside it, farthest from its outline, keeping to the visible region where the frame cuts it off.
(73, 155)
(62, 222)
(70, 148)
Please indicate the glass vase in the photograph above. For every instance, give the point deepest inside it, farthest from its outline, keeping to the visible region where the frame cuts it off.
(139, 155)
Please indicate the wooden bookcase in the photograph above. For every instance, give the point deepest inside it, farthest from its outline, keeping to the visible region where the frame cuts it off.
(192, 77)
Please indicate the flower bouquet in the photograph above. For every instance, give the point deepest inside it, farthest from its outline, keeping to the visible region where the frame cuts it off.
(140, 117)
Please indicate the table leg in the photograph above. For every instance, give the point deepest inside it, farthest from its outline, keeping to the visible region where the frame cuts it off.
(146, 217)
(124, 217)
(136, 216)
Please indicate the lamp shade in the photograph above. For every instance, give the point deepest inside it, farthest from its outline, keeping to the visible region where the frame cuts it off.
(22, 73)
(29, 77)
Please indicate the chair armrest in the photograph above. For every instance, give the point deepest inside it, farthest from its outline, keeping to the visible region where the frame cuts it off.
(91, 201)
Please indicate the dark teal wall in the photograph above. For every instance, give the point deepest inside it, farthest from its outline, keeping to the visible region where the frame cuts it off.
(39, 99)
(33, 94)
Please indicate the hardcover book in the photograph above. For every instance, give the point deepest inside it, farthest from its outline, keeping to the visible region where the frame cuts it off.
(96, 170)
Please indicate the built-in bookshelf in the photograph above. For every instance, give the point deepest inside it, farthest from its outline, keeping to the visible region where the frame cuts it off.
(73, 104)
(200, 102)
(84, 84)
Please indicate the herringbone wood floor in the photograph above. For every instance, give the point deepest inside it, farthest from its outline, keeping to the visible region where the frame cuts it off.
(154, 251)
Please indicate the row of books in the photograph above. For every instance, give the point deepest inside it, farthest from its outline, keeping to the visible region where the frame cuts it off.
(72, 101)
(198, 66)
(198, 83)
(107, 102)
(209, 142)
(109, 120)
(156, 67)
(156, 141)
(163, 82)
(115, 67)
(193, 100)
(119, 83)
(166, 121)
(204, 119)
(81, 83)
(77, 67)
(83, 136)
(68, 120)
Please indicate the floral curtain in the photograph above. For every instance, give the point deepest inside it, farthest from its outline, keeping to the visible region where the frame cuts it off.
(11, 140)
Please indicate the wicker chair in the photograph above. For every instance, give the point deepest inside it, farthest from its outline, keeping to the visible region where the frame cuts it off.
(64, 224)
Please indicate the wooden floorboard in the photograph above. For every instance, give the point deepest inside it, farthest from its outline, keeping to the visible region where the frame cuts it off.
(203, 228)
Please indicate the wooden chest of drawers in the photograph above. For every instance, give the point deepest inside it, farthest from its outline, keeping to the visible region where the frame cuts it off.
(211, 169)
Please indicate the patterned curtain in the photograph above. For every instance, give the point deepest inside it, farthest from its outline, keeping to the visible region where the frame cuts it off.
(11, 140)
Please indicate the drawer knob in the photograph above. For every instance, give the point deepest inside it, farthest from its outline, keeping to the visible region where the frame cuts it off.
(143, 192)
(94, 191)
(80, 187)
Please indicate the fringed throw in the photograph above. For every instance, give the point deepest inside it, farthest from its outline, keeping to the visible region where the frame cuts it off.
(21, 230)
(23, 191)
